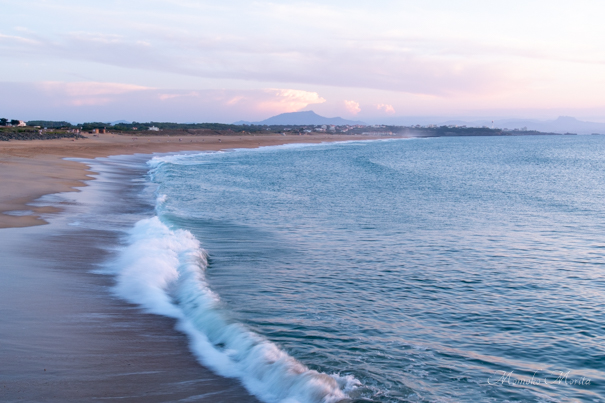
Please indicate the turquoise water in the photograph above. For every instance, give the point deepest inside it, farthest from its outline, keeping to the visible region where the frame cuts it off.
(448, 269)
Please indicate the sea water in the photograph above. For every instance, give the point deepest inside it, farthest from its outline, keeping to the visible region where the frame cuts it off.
(422, 270)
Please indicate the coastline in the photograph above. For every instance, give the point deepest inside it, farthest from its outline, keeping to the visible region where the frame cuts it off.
(31, 169)
(65, 335)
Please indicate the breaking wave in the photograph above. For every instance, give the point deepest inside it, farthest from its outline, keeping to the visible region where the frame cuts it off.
(163, 270)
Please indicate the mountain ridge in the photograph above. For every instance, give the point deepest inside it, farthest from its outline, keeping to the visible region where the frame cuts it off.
(301, 118)
(562, 125)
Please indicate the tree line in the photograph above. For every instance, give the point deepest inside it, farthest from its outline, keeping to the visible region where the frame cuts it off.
(6, 122)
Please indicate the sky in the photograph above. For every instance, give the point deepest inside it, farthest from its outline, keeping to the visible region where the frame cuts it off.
(211, 61)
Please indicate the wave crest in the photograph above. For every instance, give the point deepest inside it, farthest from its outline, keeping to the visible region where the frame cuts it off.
(163, 271)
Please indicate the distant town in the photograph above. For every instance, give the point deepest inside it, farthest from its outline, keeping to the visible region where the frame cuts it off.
(41, 129)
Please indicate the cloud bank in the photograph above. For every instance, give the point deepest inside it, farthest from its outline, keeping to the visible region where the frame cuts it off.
(93, 101)
(428, 57)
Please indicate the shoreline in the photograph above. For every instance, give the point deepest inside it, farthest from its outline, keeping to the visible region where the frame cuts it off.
(66, 336)
(32, 169)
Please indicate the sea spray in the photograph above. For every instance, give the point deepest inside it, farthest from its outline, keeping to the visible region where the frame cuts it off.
(163, 271)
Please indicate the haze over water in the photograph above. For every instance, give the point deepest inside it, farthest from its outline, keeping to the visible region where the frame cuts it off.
(449, 269)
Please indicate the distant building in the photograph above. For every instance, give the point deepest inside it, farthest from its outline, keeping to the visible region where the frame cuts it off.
(21, 124)
(94, 131)
(102, 131)
(154, 129)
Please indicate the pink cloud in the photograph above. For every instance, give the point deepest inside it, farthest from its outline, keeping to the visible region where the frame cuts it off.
(92, 101)
(288, 100)
(86, 93)
(165, 97)
(234, 57)
(386, 108)
(235, 100)
(352, 107)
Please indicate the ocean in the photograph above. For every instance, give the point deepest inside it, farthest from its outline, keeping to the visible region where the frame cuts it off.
(405, 270)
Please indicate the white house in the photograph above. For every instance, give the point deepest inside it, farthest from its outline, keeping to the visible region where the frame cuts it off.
(154, 129)
(21, 124)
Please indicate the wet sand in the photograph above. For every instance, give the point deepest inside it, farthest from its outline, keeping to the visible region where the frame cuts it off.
(64, 336)
(30, 169)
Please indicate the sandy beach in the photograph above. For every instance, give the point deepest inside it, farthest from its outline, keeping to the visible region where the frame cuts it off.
(65, 337)
(31, 169)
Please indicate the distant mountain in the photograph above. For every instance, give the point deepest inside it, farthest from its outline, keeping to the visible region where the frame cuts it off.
(117, 122)
(302, 118)
(563, 124)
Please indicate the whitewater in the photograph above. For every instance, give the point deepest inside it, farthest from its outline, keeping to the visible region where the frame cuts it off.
(382, 271)
(162, 270)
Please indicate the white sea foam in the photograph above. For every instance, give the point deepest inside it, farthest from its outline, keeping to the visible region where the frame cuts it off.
(163, 271)
(193, 158)
(161, 199)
